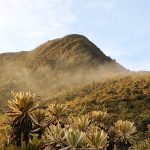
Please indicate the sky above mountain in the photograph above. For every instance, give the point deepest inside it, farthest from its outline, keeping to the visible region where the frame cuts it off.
(120, 28)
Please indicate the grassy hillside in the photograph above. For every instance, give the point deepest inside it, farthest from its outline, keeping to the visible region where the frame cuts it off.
(124, 97)
(108, 115)
(46, 69)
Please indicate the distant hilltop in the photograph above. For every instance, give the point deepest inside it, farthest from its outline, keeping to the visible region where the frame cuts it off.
(68, 51)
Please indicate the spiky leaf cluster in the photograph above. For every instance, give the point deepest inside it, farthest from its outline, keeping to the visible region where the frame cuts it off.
(96, 139)
(80, 122)
(23, 102)
(98, 115)
(57, 110)
(124, 131)
(22, 105)
(74, 138)
(54, 137)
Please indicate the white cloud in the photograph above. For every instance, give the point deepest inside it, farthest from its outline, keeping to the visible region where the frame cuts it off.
(34, 19)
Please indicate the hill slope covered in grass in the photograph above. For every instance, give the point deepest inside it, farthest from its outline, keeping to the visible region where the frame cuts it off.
(107, 115)
(54, 65)
(124, 97)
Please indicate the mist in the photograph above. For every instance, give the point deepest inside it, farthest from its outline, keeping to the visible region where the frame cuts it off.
(56, 65)
(47, 81)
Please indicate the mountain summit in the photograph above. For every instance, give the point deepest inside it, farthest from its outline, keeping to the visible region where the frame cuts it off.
(69, 51)
(55, 64)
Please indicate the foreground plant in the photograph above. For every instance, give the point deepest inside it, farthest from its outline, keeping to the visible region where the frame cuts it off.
(57, 110)
(98, 117)
(74, 139)
(124, 134)
(54, 137)
(80, 122)
(96, 139)
(22, 105)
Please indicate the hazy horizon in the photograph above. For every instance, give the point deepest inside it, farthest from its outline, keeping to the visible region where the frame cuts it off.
(119, 28)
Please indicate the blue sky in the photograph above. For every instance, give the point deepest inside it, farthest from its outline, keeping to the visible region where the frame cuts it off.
(121, 28)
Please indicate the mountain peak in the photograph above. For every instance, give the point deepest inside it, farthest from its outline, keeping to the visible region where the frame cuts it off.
(73, 49)
(74, 36)
(70, 51)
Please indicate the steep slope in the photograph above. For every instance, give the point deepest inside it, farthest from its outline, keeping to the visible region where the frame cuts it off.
(54, 65)
(69, 51)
